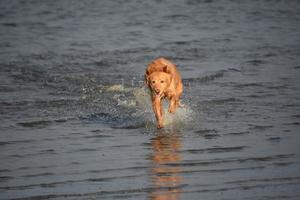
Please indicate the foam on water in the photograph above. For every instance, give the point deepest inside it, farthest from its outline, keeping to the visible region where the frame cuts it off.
(115, 88)
(181, 116)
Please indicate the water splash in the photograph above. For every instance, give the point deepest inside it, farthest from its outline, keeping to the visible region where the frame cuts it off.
(143, 99)
(134, 106)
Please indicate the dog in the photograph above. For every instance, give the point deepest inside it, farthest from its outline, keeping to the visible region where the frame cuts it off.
(164, 81)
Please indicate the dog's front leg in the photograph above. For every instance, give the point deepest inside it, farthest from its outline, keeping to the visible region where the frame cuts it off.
(157, 108)
(172, 98)
(172, 106)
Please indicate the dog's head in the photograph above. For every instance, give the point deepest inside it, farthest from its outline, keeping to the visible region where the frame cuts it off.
(159, 82)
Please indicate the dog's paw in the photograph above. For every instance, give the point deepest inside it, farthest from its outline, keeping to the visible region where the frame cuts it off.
(159, 126)
(171, 110)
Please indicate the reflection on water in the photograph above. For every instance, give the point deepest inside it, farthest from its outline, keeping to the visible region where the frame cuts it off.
(166, 180)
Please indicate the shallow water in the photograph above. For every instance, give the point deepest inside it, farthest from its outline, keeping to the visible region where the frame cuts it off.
(76, 121)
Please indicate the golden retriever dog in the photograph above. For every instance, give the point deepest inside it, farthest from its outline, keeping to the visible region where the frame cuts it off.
(164, 82)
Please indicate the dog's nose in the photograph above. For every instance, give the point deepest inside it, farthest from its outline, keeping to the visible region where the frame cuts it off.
(157, 91)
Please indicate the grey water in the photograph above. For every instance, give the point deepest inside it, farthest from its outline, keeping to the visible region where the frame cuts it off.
(75, 117)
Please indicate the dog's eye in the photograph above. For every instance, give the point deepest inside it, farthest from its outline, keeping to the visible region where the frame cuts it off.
(153, 81)
(161, 81)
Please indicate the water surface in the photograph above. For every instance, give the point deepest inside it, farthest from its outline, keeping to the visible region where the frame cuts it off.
(75, 116)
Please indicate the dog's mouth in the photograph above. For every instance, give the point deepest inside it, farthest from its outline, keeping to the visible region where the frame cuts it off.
(156, 92)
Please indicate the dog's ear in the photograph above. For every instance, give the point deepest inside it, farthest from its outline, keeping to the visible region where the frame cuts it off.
(147, 77)
(165, 68)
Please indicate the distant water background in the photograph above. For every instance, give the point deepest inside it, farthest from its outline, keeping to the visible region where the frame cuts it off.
(75, 117)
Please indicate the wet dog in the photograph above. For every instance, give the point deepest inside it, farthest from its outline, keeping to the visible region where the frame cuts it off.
(164, 82)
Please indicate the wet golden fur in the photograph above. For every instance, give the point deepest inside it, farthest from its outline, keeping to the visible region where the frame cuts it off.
(164, 82)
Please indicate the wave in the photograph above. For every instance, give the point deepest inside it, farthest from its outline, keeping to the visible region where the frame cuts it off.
(210, 76)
